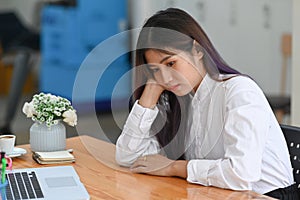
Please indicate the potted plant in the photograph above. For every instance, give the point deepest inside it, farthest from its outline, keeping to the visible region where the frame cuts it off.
(49, 111)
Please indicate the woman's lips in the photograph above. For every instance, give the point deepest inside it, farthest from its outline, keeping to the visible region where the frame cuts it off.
(174, 87)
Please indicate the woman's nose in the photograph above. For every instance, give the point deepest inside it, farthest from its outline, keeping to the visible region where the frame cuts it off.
(166, 75)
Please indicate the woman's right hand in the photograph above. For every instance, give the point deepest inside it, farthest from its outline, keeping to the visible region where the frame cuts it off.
(151, 94)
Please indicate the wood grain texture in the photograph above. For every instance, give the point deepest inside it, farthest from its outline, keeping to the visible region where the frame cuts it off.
(104, 179)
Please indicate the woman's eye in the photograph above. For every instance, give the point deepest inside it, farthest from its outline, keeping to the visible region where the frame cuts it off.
(170, 64)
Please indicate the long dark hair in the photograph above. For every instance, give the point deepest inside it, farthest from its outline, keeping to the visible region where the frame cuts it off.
(175, 29)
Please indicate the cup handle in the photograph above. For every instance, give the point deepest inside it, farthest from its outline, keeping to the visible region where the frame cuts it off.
(9, 162)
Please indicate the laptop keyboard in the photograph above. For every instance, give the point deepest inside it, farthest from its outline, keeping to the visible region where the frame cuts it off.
(23, 185)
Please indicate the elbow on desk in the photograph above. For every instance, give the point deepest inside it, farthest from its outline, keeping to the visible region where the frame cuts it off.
(122, 160)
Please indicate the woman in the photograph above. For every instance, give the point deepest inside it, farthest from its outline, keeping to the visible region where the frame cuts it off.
(197, 118)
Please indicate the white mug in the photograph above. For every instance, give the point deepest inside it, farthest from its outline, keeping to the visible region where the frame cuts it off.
(7, 143)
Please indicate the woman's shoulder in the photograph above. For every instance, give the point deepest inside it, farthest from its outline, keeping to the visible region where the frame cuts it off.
(241, 90)
(240, 83)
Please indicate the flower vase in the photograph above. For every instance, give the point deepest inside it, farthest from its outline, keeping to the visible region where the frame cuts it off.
(44, 138)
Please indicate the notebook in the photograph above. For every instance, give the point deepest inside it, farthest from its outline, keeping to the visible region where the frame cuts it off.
(51, 183)
(54, 157)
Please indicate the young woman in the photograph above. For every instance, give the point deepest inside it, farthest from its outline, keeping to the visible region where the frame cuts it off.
(195, 117)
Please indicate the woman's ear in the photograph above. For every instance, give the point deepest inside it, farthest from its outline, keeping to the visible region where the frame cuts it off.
(197, 49)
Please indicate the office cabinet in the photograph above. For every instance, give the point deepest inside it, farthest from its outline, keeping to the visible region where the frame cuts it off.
(52, 33)
(69, 36)
(61, 42)
(101, 19)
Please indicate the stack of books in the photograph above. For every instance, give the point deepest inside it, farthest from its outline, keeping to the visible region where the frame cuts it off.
(54, 157)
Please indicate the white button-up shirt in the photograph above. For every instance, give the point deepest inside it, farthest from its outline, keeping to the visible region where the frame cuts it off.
(234, 139)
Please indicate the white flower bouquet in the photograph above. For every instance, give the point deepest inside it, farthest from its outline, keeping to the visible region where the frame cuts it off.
(48, 108)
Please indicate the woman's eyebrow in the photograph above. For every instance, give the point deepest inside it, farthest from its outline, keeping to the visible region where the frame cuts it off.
(162, 60)
(165, 58)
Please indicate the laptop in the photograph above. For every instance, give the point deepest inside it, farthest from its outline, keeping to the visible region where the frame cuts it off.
(51, 183)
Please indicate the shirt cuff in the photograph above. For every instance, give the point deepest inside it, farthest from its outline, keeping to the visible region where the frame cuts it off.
(141, 117)
(197, 171)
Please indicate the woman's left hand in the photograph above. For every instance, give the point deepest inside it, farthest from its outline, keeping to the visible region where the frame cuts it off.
(155, 164)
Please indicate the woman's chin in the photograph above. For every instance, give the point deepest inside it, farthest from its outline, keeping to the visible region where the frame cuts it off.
(181, 92)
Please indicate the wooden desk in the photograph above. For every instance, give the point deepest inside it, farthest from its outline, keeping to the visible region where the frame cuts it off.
(104, 179)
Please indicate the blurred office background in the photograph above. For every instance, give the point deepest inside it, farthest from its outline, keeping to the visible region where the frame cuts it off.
(248, 34)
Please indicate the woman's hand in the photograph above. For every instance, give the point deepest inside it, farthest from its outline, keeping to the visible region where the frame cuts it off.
(160, 166)
(151, 94)
(152, 164)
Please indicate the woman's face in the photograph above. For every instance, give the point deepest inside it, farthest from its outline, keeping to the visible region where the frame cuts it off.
(175, 73)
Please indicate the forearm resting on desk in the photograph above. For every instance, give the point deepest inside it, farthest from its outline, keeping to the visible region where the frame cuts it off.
(179, 168)
(160, 166)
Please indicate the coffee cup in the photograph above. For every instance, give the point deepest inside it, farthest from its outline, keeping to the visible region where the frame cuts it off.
(7, 143)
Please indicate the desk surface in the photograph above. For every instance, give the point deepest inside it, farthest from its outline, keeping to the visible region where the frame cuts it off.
(104, 179)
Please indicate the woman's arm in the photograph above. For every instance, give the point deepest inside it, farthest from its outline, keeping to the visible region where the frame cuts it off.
(136, 139)
(160, 166)
(179, 168)
(151, 94)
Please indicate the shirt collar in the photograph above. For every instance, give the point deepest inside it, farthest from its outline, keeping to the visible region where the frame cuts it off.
(205, 88)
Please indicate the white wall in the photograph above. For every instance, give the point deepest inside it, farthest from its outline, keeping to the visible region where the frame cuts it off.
(295, 112)
(246, 32)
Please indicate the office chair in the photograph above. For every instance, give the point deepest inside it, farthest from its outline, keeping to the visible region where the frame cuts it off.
(19, 41)
(281, 103)
(292, 137)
